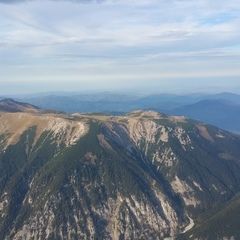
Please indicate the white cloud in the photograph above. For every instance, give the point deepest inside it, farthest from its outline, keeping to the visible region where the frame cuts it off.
(164, 38)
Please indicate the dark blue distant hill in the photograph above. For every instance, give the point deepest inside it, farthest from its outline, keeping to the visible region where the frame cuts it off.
(222, 113)
(222, 110)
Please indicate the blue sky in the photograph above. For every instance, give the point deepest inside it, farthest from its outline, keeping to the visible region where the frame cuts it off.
(120, 45)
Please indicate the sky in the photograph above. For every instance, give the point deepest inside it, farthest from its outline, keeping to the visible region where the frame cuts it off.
(119, 45)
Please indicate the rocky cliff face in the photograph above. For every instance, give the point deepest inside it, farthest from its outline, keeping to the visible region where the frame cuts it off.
(139, 176)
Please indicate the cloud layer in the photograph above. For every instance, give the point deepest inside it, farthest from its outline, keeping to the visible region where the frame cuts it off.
(145, 41)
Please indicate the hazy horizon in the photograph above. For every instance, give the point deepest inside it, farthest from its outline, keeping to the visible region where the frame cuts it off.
(129, 46)
(113, 93)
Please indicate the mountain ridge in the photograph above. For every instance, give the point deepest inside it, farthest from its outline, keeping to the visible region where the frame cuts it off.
(11, 105)
(144, 175)
(172, 104)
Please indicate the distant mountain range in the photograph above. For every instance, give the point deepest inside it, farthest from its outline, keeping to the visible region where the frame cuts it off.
(222, 113)
(139, 175)
(222, 110)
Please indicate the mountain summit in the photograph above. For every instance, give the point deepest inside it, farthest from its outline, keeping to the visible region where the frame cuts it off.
(10, 105)
(143, 175)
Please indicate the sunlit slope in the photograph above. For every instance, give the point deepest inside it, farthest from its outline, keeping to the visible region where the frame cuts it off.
(144, 175)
